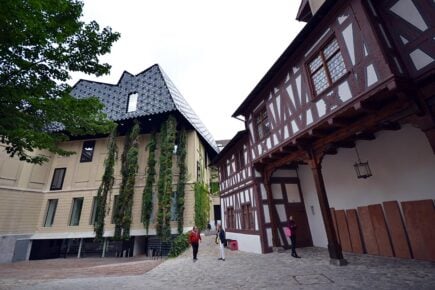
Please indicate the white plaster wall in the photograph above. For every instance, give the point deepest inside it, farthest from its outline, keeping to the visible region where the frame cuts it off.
(246, 243)
(403, 168)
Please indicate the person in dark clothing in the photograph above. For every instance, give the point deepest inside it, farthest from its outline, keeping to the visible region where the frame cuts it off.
(194, 238)
(221, 240)
(292, 226)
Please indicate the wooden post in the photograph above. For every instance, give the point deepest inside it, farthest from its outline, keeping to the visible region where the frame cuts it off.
(334, 247)
(80, 248)
(272, 210)
(103, 254)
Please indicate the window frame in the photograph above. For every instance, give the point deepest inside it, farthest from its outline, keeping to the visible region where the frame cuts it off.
(55, 174)
(231, 218)
(129, 101)
(49, 201)
(114, 208)
(266, 133)
(84, 157)
(94, 209)
(324, 64)
(79, 208)
(247, 216)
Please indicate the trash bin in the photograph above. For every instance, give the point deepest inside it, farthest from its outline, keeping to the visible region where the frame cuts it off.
(233, 245)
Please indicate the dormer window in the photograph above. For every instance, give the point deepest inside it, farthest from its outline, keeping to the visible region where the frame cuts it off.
(87, 151)
(132, 102)
(262, 124)
(327, 67)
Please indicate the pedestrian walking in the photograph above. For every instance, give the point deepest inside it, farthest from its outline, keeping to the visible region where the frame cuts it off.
(221, 240)
(194, 238)
(292, 226)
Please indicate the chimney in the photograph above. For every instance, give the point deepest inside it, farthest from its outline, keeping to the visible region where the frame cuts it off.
(315, 5)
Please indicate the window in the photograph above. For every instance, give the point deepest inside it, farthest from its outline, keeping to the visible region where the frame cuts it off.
(214, 187)
(132, 102)
(198, 170)
(327, 67)
(94, 211)
(262, 124)
(58, 176)
(87, 151)
(240, 160)
(51, 211)
(174, 206)
(76, 211)
(247, 219)
(231, 219)
(115, 208)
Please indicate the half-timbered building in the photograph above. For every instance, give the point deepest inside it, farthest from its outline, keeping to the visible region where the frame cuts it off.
(356, 83)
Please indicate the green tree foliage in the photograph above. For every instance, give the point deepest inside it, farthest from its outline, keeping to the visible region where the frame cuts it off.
(147, 196)
(202, 205)
(41, 42)
(129, 167)
(106, 185)
(181, 152)
(164, 186)
(202, 201)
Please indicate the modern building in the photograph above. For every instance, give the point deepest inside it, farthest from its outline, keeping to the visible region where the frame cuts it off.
(49, 211)
(340, 134)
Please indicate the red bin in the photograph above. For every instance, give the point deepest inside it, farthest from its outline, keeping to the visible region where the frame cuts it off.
(233, 245)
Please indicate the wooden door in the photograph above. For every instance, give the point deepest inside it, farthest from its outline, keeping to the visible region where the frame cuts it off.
(303, 234)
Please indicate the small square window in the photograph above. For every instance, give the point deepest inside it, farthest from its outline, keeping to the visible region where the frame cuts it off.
(76, 211)
(262, 124)
(51, 211)
(132, 102)
(87, 151)
(57, 181)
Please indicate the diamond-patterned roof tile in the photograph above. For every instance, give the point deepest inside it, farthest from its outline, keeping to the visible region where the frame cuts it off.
(156, 94)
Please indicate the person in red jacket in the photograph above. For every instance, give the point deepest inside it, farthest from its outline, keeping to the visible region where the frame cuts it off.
(194, 238)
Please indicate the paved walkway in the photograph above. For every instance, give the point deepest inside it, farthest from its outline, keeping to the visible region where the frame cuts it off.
(251, 271)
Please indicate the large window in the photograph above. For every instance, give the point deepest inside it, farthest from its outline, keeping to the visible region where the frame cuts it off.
(174, 214)
(76, 211)
(327, 67)
(87, 151)
(57, 181)
(94, 211)
(115, 208)
(262, 124)
(51, 211)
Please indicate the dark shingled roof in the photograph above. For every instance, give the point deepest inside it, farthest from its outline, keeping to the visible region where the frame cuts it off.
(157, 94)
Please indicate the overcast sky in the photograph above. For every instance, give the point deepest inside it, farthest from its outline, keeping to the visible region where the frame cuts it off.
(215, 52)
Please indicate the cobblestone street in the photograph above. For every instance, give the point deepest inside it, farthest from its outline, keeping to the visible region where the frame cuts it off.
(239, 271)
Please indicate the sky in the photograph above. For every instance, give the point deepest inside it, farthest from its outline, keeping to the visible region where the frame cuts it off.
(215, 52)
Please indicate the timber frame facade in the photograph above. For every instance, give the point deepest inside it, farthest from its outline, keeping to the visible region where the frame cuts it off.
(357, 68)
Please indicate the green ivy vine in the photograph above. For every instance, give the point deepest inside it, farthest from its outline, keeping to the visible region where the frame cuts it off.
(106, 185)
(129, 169)
(164, 186)
(147, 196)
(181, 151)
(202, 202)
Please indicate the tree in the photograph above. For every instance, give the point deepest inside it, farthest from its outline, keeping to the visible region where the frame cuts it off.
(41, 42)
